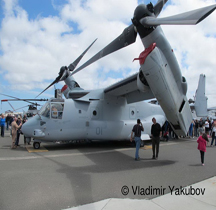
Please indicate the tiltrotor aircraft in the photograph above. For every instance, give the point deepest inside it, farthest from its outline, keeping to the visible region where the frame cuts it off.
(110, 113)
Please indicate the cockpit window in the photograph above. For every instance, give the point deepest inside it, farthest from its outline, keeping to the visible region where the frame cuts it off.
(57, 110)
(45, 110)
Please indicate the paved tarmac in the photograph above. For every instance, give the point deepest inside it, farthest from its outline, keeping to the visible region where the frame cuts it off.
(198, 196)
(69, 175)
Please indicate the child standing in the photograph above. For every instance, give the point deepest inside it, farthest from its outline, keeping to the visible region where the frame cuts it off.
(202, 142)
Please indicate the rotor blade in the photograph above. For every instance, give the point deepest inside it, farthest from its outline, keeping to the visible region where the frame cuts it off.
(11, 106)
(20, 108)
(26, 100)
(15, 99)
(8, 96)
(127, 37)
(73, 65)
(55, 81)
(188, 18)
(159, 6)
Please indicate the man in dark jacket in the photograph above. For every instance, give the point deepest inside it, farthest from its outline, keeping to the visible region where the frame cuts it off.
(156, 133)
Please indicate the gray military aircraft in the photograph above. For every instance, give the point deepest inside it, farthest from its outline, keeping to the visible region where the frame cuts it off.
(199, 104)
(110, 113)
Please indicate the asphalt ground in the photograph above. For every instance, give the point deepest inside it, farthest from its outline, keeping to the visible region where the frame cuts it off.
(61, 176)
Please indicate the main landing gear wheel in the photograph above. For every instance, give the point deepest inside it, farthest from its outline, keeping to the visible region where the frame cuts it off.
(36, 145)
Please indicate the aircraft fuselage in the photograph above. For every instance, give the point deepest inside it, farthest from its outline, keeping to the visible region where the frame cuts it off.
(104, 119)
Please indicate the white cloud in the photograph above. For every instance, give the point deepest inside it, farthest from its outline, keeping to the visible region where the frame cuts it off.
(33, 50)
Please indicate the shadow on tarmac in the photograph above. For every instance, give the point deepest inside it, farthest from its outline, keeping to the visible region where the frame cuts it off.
(114, 161)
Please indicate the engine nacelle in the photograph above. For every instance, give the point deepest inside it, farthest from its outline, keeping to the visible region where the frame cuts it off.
(142, 83)
(166, 90)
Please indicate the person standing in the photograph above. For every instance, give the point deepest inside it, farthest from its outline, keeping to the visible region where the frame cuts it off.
(156, 133)
(213, 134)
(10, 122)
(2, 125)
(23, 121)
(200, 129)
(19, 121)
(202, 142)
(191, 129)
(196, 128)
(14, 128)
(206, 126)
(137, 136)
(7, 121)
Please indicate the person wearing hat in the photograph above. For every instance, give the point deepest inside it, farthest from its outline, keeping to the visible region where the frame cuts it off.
(14, 128)
(19, 122)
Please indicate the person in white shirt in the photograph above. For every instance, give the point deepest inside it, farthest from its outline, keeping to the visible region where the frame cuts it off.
(206, 126)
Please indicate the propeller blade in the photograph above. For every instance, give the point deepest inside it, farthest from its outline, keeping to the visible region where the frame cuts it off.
(11, 106)
(9, 96)
(127, 37)
(63, 71)
(73, 65)
(19, 99)
(159, 6)
(26, 100)
(55, 81)
(188, 18)
(20, 108)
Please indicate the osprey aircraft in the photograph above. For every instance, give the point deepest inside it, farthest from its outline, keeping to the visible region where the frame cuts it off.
(110, 113)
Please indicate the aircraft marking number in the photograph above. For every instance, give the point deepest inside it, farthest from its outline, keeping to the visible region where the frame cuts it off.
(99, 131)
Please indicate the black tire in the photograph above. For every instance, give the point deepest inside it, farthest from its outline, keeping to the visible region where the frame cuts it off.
(142, 143)
(36, 145)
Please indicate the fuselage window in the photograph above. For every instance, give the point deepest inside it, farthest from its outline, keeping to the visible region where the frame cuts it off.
(45, 110)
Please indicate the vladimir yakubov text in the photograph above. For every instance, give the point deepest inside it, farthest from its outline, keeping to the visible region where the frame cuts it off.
(137, 190)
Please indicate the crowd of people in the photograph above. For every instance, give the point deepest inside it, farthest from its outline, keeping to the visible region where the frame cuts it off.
(14, 124)
(197, 128)
(203, 129)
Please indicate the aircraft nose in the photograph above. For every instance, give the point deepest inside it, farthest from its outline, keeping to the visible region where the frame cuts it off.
(29, 126)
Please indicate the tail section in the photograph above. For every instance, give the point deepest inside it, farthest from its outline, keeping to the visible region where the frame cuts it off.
(200, 98)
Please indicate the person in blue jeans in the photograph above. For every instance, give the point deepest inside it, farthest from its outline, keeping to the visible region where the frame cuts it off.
(137, 137)
(2, 121)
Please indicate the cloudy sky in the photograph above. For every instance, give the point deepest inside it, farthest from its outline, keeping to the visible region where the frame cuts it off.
(37, 37)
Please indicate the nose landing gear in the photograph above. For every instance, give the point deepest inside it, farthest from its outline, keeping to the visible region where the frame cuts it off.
(36, 145)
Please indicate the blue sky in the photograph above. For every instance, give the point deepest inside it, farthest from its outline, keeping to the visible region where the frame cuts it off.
(37, 37)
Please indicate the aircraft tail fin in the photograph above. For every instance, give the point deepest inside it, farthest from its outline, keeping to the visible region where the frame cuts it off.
(200, 98)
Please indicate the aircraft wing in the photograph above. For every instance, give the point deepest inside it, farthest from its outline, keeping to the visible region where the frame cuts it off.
(129, 89)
